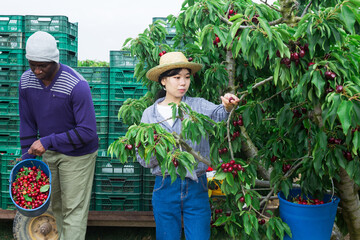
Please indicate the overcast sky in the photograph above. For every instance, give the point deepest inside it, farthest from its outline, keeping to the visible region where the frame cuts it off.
(103, 25)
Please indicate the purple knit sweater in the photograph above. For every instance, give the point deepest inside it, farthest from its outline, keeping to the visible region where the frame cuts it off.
(62, 114)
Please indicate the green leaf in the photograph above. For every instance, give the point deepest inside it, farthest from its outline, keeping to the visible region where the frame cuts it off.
(348, 17)
(247, 223)
(27, 198)
(344, 113)
(45, 188)
(38, 176)
(265, 25)
(230, 179)
(319, 83)
(356, 142)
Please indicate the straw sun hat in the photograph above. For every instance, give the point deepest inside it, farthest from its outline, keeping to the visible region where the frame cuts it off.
(169, 61)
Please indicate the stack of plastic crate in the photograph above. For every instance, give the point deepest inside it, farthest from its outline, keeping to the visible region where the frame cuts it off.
(117, 186)
(65, 33)
(11, 68)
(123, 85)
(98, 79)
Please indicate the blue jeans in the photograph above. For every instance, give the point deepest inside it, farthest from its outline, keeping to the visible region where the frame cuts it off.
(185, 199)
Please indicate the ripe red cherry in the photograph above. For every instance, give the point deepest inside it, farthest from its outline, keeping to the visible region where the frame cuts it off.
(273, 158)
(242, 199)
(278, 53)
(240, 122)
(235, 123)
(261, 221)
(339, 88)
(231, 12)
(217, 39)
(328, 75)
(302, 53)
(223, 165)
(160, 54)
(294, 56)
(232, 162)
(332, 76)
(190, 59)
(164, 52)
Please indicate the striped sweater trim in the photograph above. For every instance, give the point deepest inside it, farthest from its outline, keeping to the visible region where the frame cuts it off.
(64, 84)
(29, 80)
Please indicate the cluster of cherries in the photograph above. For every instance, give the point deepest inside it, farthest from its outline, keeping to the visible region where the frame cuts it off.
(30, 188)
(286, 167)
(299, 112)
(299, 200)
(294, 56)
(232, 167)
(216, 40)
(162, 53)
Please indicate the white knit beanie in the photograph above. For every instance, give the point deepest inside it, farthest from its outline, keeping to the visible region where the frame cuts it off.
(41, 47)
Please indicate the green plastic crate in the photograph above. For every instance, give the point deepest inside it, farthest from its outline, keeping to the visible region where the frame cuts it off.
(12, 23)
(12, 57)
(10, 123)
(116, 126)
(102, 125)
(113, 167)
(9, 158)
(146, 202)
(95, 75)
(100, 91)
(11, 74)
(148, 183)
(5, 182)
(12, 40)
(51, 24)
(118, 202)
(101, 108)
(123, 92)
(122, 59)
(114, 107)
(6, 202)
(9, 107)
(9, 90)
(119, 183)
(121, 76)
(103, 141)
(73, 29)
(10, 140)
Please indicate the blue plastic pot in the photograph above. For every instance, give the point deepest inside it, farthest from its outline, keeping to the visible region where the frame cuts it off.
(308, 221)
(30, 163)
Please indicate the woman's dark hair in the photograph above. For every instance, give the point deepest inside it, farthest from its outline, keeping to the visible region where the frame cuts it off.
(169, 73)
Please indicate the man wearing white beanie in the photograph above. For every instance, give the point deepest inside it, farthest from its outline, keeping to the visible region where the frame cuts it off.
(57, 122)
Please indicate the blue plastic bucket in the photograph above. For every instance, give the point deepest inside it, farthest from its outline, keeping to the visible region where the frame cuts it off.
(308, 221)
(30, 163)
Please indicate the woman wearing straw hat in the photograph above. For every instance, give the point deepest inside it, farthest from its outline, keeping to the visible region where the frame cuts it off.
(188, 198)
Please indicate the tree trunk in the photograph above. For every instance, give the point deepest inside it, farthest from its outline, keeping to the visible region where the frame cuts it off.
(349, 202)
(248, 147)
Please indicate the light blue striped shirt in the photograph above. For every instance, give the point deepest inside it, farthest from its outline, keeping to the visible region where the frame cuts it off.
(200, 105)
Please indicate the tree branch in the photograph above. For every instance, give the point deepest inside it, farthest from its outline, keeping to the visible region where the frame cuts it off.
(265, 2)
(306, 8)
(190, 150)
